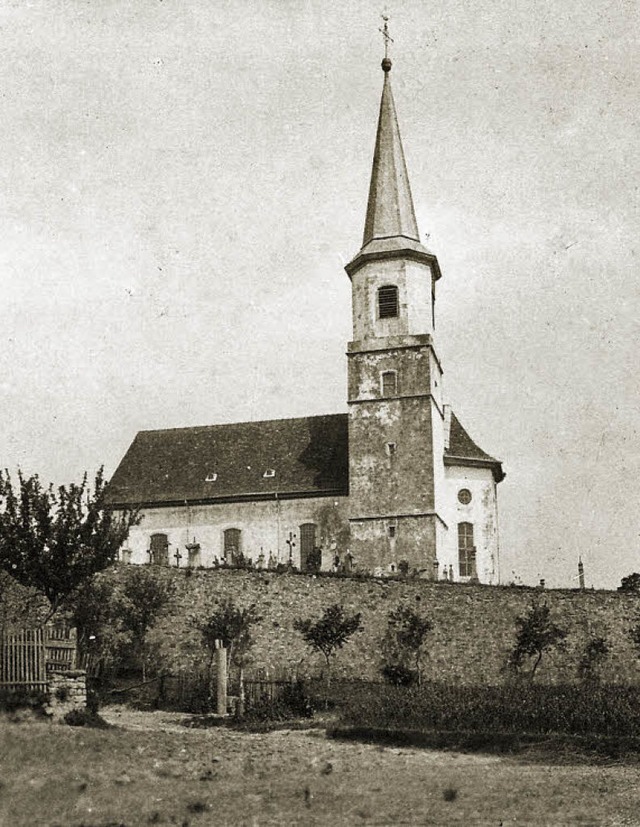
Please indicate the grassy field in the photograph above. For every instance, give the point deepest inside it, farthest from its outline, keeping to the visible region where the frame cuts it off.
(150, 770)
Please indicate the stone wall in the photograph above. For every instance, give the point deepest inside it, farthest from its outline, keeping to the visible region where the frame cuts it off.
(474, 625)
(67, 691)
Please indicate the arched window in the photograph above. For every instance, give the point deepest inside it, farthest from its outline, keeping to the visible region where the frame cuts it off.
(159, 550)
(308, 554)
(389, 383)
(388, 302)
(232, 547)
(466, 550)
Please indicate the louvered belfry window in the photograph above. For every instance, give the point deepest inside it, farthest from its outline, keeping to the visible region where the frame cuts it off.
(388, 302)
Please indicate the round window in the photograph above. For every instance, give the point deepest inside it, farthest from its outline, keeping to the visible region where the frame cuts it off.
(464, 495)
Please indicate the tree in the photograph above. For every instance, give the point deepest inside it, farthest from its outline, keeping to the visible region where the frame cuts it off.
(630, 584)
(114, 615)
(144, 595)
(54, 541)
(101, 636)
(594, 655)
(330, 633)
(19, 606)
(536, 635)
(404, 644)
(232, 627)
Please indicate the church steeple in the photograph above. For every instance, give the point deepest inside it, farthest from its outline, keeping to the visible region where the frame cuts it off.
(391, 229)
(396, 438)
(390, 209)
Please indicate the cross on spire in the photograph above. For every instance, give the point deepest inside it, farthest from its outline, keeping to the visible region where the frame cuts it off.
(385, 34)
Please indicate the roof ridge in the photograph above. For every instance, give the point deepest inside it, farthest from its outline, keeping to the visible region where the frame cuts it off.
(244, 422)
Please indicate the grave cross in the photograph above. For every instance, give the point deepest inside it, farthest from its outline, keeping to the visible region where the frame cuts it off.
(177, 557)
(291, 542)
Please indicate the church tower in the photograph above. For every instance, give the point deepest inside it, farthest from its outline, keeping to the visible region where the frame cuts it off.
(396, 415)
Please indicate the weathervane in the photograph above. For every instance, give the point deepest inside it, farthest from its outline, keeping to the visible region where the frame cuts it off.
(385, 34)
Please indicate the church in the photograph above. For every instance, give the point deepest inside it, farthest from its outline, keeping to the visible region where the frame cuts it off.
(396, 485)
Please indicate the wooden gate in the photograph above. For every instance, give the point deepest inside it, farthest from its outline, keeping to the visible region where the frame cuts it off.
(27, 656)
(60, 645)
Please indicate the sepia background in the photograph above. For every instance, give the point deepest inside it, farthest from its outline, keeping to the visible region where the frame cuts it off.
(183, 182)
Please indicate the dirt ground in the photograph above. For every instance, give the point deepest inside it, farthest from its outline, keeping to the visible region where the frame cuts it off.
(149, 769)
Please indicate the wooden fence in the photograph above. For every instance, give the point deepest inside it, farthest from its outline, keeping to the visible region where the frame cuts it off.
(28, 656)
(256, 691)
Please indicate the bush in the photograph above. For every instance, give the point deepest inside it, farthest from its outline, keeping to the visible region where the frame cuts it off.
(291, 702)
(398, 675)
(22, 698)
(605, 709)
(85, 717)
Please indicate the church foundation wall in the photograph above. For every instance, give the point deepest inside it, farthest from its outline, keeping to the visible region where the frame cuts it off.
(473, 625)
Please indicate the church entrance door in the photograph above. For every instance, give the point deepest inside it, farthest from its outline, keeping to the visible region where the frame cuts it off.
(308, 547)
(159, 551)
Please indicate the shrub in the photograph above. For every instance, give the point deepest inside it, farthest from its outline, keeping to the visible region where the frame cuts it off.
(85, 717)
(605, 709)
(22, 698)
(398, 675)
(291, 702)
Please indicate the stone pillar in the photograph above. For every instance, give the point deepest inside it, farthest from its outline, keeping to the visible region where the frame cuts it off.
(67, 692)
(221, 672)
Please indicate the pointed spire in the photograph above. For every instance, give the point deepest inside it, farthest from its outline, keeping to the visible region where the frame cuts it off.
(390, 229)
(390, 209)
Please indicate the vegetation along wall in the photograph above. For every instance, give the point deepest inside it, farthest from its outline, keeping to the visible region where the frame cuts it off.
(473, 625)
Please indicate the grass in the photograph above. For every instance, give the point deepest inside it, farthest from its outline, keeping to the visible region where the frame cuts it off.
(156, 772)
(550, 748)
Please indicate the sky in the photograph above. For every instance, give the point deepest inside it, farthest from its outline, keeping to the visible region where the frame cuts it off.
(183, 182)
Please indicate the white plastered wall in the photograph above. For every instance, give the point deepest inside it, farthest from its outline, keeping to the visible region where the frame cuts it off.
(414, 283)
(482, 512)
(265, 528)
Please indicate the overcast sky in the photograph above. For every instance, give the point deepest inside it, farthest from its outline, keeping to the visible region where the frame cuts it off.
(182, 183)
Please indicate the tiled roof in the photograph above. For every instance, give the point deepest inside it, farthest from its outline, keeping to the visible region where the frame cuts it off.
(462, 447)
(309, 457)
